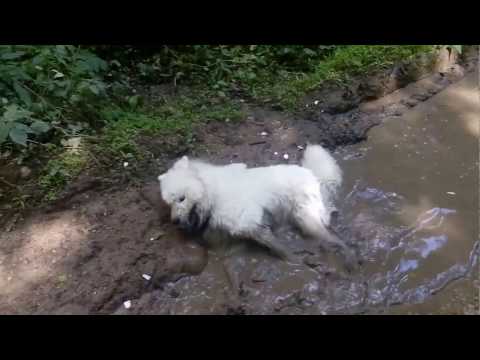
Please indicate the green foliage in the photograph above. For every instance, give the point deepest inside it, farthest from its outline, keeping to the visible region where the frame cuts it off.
(457, 48)
(280, 73)
(221, 65)
(17, 123)
(53, 91)
(44, 87)
(344, 62)
(60, 170)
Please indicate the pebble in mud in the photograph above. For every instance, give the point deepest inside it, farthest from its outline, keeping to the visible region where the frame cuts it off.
(127, 304)
(25, 172)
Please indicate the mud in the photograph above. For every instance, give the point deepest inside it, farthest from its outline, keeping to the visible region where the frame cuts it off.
(90, 254)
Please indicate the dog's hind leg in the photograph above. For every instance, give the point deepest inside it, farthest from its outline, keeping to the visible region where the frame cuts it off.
(308, 219)
(264, 237)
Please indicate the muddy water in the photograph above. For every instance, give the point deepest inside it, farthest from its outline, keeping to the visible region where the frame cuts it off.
(412, 191)
(409, 205)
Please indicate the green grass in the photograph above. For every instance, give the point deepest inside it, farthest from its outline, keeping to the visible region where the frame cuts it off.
(176, 117)
(343, 63)
(62, 168)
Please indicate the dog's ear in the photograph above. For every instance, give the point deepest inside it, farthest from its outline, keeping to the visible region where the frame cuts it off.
(182, 163)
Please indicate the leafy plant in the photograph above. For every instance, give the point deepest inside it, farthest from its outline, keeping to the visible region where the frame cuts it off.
(17, 123)
(457, 48)
(44, 87)
(221, 66)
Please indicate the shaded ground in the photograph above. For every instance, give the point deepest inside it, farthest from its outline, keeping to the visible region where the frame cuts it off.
(91, 253)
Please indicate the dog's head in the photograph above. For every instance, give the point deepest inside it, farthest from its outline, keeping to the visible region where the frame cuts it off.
(183, 191)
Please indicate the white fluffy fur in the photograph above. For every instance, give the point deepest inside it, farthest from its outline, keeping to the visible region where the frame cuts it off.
(235, 198)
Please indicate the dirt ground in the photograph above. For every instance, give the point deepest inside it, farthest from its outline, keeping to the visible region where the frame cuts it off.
(107, 245)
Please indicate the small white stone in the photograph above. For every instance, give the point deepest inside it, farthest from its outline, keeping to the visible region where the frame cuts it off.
(25, 172)
(151, 239)
(285, 156)
(125, 164)
(146, 277)
(316, 102)
(263, 133)
(127, 304)
(450, 193)
(275, 153)
(300, 147)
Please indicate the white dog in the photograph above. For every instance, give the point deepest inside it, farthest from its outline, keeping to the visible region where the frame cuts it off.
(241, 202)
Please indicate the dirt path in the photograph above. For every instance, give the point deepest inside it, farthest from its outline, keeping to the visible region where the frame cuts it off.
(103, 248)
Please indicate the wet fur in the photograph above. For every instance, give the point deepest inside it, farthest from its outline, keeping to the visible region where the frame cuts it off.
(249, 203)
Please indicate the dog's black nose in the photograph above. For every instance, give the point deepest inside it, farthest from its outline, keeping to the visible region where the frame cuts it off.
(176, 221)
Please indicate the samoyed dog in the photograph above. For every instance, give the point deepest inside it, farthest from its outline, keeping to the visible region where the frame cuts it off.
(244, 203)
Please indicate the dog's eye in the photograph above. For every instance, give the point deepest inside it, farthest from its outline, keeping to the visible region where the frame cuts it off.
(181, 199)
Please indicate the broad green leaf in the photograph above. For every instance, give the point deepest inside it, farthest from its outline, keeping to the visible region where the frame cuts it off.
(18, 136)
(90, 62)
(22, 93)
(14, 113)
(13, 55)
(39, 127)
(23, 127)
(94, 89)
(75, 98)
(61, 50)
(37, 60)
(457, 48)
(4, 130)
(133, 100)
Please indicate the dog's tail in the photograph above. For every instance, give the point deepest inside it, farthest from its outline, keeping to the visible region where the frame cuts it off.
(326, 170)
(323, 165)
